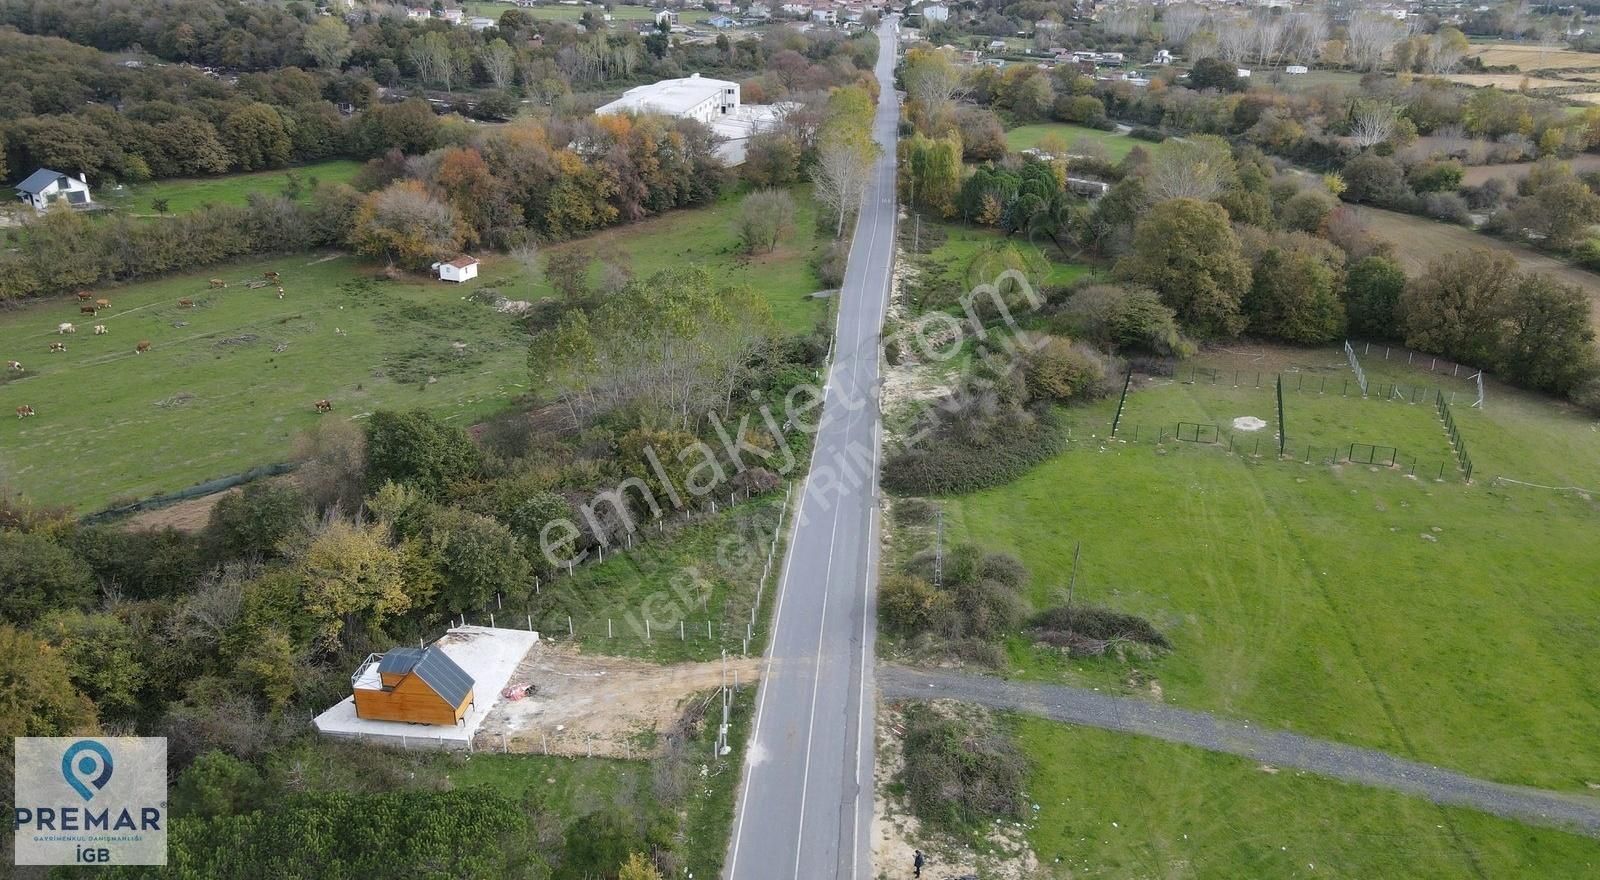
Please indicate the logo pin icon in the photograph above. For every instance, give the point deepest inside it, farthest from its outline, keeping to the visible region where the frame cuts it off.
(86, 763)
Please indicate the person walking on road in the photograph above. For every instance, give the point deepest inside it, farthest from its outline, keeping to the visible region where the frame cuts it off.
(916, 863)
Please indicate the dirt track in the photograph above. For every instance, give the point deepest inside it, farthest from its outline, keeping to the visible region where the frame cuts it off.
(589, 704)
(1418, 241)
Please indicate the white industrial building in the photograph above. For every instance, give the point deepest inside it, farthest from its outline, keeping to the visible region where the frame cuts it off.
(714, 102)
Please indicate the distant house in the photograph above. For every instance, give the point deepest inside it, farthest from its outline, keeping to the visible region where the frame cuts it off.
(416, 685)
(45, 186)
(1296, 69)
(458, 270)
(453, 15)
(480, 23)
(824, 16)
(720, 22)
(934, 12)
(666, 16)
(997, 45)
(1243, 73)
(418, 13)
(1162, 56)
(759, 10)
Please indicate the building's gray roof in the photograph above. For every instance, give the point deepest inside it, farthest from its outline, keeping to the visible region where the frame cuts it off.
(38, 180)
(399, 661)
(439, 672)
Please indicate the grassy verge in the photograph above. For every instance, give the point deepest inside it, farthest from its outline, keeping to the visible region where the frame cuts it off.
(705, 573)
(1119, 806)
(188, 193)
(1355, 603)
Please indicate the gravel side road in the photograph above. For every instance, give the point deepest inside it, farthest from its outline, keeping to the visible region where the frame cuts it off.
(1073, 705)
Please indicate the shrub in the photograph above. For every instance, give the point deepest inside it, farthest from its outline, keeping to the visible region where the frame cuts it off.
(909, 605)
(951, 467)
(1145, 133)
(1307, 210)
(1436, 177)
(1122, 318)
(961, 773)
(1057, 370)
(1446, 206)
(1082, 628)
(831, 264)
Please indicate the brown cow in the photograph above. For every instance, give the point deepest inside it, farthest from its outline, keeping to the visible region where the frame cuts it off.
(14, 365)
(88, 310)
(83, 296)
(270, 276)
(58, 346)
(24, 411)
(102, 303)
(218, 283)
(324, 406)
(186, 303)
(142, 347)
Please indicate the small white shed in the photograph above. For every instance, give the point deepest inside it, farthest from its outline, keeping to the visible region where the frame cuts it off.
(458, 270)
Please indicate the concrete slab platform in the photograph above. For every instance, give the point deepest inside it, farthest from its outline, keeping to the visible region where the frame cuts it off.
(490, 655)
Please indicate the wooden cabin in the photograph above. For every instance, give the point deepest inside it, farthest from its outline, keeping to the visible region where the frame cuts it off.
(415, 685)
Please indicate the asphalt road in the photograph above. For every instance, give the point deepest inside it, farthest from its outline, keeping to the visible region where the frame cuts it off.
(1278, 748)
(805, 800)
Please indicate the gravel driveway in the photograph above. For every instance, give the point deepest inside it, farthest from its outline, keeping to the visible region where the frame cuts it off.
(1074, 705)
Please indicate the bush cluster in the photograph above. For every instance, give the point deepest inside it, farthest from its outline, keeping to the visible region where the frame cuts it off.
(961, 772)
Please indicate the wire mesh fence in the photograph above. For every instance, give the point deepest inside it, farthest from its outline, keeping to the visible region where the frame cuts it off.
(1263, 447)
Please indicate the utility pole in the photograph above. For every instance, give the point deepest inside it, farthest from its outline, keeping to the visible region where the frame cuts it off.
(1073, 583)
(938, 547)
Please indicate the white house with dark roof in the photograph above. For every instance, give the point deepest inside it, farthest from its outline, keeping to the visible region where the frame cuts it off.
(714, 102)
(45, 186)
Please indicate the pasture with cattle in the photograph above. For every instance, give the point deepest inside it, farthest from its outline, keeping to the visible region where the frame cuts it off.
(191, 381)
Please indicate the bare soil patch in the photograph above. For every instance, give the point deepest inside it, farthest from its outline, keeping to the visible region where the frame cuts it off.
(1476, 175)
(590, 704)
(185, 516)
(1507, 81)
(1526, 56)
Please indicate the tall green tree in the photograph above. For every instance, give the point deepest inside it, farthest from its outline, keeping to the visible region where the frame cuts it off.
(1451, 308)
(1294, 297)
(417, 449)
(1372, 291)
(1546, 339)
(257, 137)
(1185, 250)
(38, 575)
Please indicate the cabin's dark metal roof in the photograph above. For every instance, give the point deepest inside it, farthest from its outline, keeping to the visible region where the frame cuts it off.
(38, 180)
(439, 672)
(399, 661)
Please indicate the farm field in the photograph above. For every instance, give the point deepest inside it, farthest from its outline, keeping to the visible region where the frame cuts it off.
(186, 194)
(1476, 175)
(1116, 145)
(1309, 80)
(1508, 81)
(1166, 810)
(1345, 601)
(1418, 241)
(1530, 56)
(213, 397)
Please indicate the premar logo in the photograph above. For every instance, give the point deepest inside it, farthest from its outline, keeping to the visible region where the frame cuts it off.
(81, 770)
(90, 801)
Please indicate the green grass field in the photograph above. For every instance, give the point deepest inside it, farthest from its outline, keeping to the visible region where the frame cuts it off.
(1444, 621)
(1120, 806)
(188, 193)
(705, 573)
(707, 236)
(1115, 144)
(213, 397)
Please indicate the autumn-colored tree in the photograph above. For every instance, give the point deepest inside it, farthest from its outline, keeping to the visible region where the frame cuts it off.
(38, 697)
(637, 867)
(406, 226)
(348, 575)
(1451, 308)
